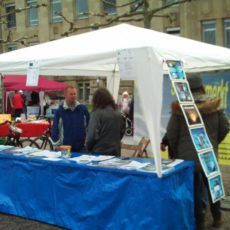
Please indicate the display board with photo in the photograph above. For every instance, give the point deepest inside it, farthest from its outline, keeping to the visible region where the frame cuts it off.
(183, 91)
(200, 139)
(209, 163)
(196, 128)
(192, 115)
(175, 69)
(216, 188)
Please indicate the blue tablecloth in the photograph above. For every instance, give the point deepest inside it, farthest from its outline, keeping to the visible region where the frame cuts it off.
(78, 196)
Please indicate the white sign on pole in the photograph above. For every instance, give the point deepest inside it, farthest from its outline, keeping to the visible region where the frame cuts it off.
(32, 73)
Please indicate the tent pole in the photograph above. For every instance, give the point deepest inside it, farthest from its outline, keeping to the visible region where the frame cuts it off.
(1, 94)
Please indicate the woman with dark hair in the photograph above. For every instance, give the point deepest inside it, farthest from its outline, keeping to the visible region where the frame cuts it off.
(106, 126)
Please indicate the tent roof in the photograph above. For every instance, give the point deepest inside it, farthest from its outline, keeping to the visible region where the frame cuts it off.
(18, 82)
(94, 53)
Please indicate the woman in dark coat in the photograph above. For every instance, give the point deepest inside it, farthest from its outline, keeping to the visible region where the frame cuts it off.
(106, 126)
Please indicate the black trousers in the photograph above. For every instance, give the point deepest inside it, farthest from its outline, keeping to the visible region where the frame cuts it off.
(202, 196)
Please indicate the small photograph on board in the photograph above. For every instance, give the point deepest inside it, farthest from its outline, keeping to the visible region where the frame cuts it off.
(216, 188)
(175, 69)
(192, 115)
(183, 91)
(209, 163)
(200, 138)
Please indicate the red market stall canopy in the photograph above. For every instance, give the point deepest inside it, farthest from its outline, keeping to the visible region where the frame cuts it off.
(18, 82)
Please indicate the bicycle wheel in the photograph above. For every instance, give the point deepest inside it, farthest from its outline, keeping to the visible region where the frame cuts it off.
(28, 142)
(44, 143)
(13, 142)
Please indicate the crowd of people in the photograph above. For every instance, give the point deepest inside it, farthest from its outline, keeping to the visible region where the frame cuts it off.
(17, 102)
(98, 132)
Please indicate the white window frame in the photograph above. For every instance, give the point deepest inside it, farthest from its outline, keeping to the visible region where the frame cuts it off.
(80, 12)
(227, 32)
(54, 17)
(207, 31)
(134, 5)
(12, 47)
(83, 91)
(11, 16)
(167, 2)
(110, 10)
(32, 13)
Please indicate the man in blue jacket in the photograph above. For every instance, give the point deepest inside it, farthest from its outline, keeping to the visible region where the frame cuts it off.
(70, 122)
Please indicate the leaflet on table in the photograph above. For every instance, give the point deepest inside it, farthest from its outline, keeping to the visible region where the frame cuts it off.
(5, 147)
(114, 162)
(171, 162)
(52, 159)
(18, 150)
(167, 165)
(119, 163)
(152, 168)
(25, 150)
(46, 153)
(84, 159)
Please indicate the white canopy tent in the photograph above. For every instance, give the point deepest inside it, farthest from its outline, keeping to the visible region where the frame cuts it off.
(95, 54)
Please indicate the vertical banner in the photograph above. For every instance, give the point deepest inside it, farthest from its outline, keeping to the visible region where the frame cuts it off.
(196, 128)
(32, 73)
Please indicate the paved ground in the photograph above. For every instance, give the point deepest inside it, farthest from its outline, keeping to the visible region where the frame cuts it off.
(8, 222)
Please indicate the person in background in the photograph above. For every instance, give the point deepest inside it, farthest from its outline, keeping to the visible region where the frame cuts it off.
(46, 102)
(179, 139)
(124, 104)
(106, 126)
(18, 104)
(165, 146)
(10, 106)
(70, 122)
(24, 110)
(131, 109)
(34, 98)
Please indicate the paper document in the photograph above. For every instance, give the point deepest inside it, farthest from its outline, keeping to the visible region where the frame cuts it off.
(134, 165)
(46, 153)
(5, 147)
(175, 162)
(51, 159)
(83, 158)
(90, 158)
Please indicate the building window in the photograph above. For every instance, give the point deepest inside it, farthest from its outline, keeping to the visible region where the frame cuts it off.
(83, 91)
(82, 9)
(32, 13)
(56, 9)
(174, 31)
(209, 32)
(109, 7)
(227, 33)
(11, 47)
(33, 43)
(10, 15)
(167, 2)
(137, 6)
